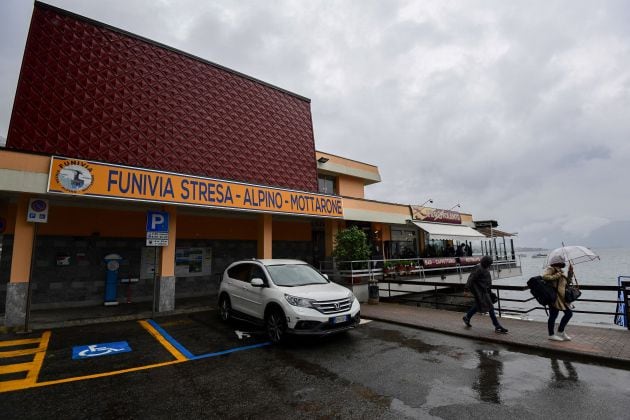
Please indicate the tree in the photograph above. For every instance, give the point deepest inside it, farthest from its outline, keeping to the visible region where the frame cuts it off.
(351, 245)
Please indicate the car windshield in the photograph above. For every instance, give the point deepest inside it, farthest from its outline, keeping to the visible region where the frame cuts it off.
(292, 275)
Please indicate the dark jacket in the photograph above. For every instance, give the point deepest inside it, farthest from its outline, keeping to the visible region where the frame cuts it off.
(479, 283)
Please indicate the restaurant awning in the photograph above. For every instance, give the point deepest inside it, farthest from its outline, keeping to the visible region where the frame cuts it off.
(443, 231)
(495, 232)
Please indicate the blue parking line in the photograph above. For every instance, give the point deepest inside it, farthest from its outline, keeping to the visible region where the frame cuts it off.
(220, 353)
(183, 350)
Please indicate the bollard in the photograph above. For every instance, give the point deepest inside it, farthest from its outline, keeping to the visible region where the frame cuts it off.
(373, 297)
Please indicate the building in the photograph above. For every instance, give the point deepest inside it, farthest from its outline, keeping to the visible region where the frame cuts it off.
(118, 142)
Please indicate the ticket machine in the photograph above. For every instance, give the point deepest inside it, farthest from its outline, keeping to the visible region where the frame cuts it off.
(112, 262)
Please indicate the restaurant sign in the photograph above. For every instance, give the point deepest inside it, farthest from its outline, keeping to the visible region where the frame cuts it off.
(427, 214)
(94, 179)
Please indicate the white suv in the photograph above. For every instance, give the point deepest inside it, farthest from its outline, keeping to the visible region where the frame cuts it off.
(287, 296)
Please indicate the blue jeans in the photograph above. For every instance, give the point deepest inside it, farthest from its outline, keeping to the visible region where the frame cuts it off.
(493, 316)
(553, 314)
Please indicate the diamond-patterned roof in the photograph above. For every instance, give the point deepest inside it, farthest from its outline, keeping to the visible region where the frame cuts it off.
(90, 91)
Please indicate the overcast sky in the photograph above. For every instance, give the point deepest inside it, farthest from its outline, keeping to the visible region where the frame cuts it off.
(517, 110)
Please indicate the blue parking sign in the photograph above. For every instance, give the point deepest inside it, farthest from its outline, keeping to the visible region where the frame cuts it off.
(157, 221)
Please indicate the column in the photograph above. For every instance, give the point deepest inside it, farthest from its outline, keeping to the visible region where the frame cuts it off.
(17, 287)
(265, 236)
(331, 228)
(166, 278)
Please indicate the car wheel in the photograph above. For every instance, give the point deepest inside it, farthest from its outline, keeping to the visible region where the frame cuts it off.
(225, 308)
(276, 324)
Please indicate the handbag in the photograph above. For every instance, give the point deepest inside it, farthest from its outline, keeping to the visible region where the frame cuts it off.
(571, 293)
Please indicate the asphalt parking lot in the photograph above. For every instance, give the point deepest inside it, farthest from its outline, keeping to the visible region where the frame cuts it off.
(378, 370)
(46, 358)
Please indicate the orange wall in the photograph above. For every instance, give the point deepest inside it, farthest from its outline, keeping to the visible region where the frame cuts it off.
(292, 231)
(350, 186)
(77, 221)
(348, 162)
(376, 206)
(190, 227)
(24, 162)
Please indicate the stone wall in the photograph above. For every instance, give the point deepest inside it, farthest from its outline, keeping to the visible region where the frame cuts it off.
(82, 282)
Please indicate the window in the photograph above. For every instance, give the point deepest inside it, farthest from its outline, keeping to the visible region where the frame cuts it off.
(257, 272)
(291, 275)
(326, 184)
(240, 272)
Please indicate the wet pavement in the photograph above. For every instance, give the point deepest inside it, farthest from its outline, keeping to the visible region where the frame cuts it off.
(607, 345)
(379, 370)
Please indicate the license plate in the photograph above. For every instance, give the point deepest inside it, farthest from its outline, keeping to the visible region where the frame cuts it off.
(339, 319)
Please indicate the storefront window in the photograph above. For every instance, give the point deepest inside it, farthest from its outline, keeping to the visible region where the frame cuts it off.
(404, 243)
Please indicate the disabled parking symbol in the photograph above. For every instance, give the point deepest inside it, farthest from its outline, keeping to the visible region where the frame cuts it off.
(96, 350)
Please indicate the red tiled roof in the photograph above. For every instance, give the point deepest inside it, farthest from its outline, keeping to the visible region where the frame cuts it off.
(90, 91)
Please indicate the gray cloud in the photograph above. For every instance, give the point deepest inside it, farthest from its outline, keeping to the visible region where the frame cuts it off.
(518, 111)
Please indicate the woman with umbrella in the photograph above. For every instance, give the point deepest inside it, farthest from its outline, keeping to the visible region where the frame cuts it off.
(553, 273)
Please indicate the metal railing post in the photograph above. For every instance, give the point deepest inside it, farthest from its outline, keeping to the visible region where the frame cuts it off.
(499, 301)
(625, 285)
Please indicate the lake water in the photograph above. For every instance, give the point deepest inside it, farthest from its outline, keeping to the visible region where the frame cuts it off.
(613, 262)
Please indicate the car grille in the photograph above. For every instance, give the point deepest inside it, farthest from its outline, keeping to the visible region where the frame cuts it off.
(332, 306)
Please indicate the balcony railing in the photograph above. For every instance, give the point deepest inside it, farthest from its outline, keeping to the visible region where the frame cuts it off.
(446, 269)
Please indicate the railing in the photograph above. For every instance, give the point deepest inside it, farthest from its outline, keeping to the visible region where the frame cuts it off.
(454, 289)
(363, 271)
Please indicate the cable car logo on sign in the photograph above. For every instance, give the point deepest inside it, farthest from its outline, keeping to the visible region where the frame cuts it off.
(75, 176)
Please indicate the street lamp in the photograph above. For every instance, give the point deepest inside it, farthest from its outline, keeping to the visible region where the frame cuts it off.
(456, 205)
(430, 200)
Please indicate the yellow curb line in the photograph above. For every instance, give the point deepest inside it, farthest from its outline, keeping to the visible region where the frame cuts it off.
(168, 346)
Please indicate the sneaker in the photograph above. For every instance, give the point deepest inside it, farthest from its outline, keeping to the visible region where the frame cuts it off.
(564, 336)
(556, 338)
(466, 321)
(500, 330)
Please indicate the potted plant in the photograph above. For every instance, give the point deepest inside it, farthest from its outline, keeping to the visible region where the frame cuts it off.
(389, 268)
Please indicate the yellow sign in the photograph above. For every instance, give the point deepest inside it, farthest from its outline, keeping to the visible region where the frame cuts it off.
(93, 179)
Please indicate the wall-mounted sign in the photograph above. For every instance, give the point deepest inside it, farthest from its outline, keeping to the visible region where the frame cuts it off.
(93, 179)
(438, 262)
(427, 214)
(157, 228)
(37, 211)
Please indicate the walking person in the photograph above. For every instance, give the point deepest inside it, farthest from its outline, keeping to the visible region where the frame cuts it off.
(553, 273)
(480, 284)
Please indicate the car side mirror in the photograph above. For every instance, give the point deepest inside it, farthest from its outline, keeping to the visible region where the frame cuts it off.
(257, 282)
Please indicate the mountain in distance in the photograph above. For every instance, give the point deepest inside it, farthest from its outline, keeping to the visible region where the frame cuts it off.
(528, 249)
(612, 235)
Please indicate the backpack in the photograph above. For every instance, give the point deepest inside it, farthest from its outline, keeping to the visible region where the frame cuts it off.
(544, 292)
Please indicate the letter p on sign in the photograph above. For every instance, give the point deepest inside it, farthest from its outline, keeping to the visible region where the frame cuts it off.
(157, 221)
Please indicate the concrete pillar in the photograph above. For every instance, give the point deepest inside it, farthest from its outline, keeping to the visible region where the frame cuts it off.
(24, 235)
(265, 236)
(331, 227)
(166, 283)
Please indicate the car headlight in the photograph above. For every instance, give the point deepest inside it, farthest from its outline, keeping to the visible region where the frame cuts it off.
(298, 301)
(352, 298)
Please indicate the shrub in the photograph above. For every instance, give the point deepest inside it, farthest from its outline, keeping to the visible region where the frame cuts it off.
(351, 245)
